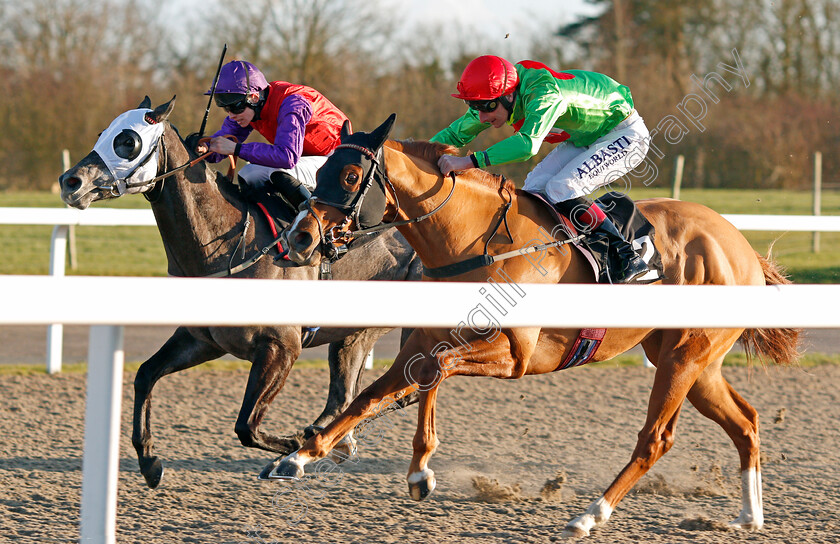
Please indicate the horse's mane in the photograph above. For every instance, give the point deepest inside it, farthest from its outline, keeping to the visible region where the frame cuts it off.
(212, 174)
(432, 151)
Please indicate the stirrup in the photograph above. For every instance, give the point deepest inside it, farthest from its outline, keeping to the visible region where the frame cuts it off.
(632, 269)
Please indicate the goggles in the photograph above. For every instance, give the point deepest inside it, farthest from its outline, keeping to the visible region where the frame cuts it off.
(232, 102)
(486, 106)
(236, 108)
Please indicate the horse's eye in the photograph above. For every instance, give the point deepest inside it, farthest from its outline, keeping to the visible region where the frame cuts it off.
(127, 145)
(352, 178)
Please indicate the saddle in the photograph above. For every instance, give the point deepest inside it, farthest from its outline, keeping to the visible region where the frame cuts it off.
(635, 228)
(276, 209)
(595, 248)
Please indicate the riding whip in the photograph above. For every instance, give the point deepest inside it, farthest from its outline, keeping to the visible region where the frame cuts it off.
(212, 93)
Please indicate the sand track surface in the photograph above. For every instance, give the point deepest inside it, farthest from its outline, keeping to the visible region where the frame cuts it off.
(517, 461)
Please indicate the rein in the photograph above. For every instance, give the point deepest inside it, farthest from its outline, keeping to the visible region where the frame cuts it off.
(119, 187)
(480, 261)
(356, 206)
(383, 226)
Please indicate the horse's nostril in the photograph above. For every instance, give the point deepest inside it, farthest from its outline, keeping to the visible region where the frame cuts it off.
(71, 182)
(303, 239)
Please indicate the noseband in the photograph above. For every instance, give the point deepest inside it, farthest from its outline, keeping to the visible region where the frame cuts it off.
(119, 186)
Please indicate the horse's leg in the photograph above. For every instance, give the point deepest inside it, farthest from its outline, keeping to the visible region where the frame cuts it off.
(421, 479)
(683, 356)
(346, 359)
(716, 399)
(414, 396)
(180, 352)
(652, 346)
(507, 357)
(272, 360)
(381, 394)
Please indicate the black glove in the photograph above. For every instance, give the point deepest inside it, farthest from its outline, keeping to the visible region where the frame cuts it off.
(191, 143)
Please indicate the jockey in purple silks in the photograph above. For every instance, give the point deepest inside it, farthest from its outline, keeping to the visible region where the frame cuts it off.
(300, 124)
(590, 116)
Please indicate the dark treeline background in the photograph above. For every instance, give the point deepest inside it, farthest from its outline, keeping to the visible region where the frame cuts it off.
(68, 67)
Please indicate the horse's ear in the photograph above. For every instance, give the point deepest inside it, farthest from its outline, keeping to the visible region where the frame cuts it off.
(346, 130)
(161, 113)
(146, 104)
(378, 136)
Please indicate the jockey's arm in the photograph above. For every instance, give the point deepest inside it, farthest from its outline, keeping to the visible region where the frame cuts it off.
(462, 131)
(229, 128)
(287, 147)
(541, 111)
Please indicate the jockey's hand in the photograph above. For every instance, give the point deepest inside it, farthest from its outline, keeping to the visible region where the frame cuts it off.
(222, 145)
(453, 163)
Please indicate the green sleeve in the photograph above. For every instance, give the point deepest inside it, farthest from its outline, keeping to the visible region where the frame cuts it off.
(462, 131)
(540, 104)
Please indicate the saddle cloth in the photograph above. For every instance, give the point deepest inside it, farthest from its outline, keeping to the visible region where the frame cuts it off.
(595, 248)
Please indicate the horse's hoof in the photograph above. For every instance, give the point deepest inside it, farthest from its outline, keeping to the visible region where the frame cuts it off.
(421, 484)
(746, 524)
(571, 531)
(287, 468)
(152, 470)
(579, 527)
(286, 471)
(264, 473)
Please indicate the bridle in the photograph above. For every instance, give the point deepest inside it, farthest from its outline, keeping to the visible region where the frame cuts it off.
(119, 186)
(336, 241)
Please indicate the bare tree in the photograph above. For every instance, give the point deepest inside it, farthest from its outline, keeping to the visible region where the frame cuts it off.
(69, 65)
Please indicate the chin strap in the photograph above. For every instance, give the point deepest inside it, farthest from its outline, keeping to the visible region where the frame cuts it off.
(508, 103)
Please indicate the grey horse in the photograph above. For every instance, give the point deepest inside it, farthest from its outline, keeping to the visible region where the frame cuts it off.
(202, 221)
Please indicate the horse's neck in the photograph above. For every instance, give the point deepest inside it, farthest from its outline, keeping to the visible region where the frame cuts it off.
(198, 223)
(418, 193)
(461, 228)
(457, 230)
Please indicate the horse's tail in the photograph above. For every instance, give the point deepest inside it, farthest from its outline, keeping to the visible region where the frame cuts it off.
(780, 345)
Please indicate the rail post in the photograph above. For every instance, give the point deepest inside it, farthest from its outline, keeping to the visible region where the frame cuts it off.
(817, 197)
(74, 262)
(678, 175)
(55, 332)
(101, 458)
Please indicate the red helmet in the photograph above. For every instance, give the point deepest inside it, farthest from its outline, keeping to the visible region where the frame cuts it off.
(486, 78)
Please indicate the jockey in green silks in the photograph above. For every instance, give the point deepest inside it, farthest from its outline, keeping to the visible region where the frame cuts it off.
(590, 116)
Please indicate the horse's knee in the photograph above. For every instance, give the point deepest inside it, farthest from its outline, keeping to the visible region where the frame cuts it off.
(667, 442)
(427, 375)
(423, 445)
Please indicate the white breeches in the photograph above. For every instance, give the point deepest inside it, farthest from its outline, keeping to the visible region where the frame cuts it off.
(568, 171)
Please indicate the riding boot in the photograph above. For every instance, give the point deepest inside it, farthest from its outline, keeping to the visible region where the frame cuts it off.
(249, 192)
(630, 265)
(292, 191)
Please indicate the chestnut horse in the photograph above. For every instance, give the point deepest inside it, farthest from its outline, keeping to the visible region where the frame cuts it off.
(697, 246)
